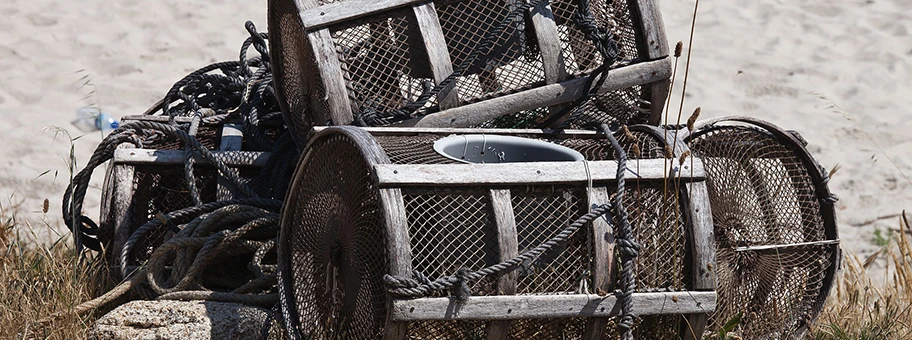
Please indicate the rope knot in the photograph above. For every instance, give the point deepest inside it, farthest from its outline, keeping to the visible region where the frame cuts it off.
(461, 289)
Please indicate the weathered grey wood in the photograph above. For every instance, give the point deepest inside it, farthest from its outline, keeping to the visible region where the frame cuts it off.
(547, 95)
(154, 118)
(703, 253)
(399, 250)
(121, 203)
(337, 12)
(404, 131)
(657, 98)
(173, 157)
(438, 53)
(549, 43)
(232, 140)
(549, 306)
(652, 44)
(508, 247)
(648, 20)
(330, 70)
(521, 173)
(604, 268)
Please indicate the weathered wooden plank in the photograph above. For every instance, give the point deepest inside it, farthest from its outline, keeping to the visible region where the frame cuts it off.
(232, 140)
(521, 173)
(332, 13)
(405, 131)
(651, 44)
(330, 70)
(547, 95)
(508, 247)
(703, 252)
(648, 19)
(154, 118)
(604, 268)
(548, 43)
(438, 53)
(173, 157)
(121, 204)
(399, 251)
(549, 306)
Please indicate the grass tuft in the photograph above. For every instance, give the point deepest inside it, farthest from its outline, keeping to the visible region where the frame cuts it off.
(862, 308)
(36, 282)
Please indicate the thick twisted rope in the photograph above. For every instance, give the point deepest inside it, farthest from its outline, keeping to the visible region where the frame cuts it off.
(420, 286)
(627, 247)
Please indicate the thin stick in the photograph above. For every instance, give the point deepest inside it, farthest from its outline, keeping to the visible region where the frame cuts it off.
(687, 67)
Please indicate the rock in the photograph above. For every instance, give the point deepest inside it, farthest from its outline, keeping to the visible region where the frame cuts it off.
(140, 320)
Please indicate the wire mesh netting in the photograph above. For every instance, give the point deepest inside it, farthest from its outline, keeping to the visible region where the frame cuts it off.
(762, 195)
(510, 66)
(581, 57)
(160, 189)
(452, 229)
(335, 245)
(541, 212)
(385, 63)
(381, 62)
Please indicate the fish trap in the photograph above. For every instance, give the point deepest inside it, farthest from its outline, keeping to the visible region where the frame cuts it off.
(142, 183)
(350, 61)
(774, 226)
(367, 203)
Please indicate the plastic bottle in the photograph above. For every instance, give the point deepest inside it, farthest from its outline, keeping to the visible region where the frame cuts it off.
(91, 119)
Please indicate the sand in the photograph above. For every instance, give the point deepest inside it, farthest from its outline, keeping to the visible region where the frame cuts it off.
(770, 59)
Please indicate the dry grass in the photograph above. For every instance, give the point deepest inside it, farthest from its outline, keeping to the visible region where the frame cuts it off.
(36, 282)
(860, 308)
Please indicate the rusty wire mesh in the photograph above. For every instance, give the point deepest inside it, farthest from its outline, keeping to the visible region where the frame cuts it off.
(335, 244)
(762, 194)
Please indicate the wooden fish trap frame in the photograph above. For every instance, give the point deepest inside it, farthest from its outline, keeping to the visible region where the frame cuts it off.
(337, 62)
(370, 202)
(142, 183)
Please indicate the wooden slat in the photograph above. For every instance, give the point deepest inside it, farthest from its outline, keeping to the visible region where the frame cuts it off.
(651, 44)
(121, 203)
(330, 70)
(405, 131)
(519, 173)
(154, 118)
(549, 306)
(399, 250)
(604, 266)
(703, 252)
(232, 140)
(648, 18)
(549, 43)
(508, 247)
(173, 157)
(332, 13)
(547, 95)
(438, 54)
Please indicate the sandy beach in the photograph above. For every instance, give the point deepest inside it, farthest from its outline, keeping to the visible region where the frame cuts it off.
(839, 72)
